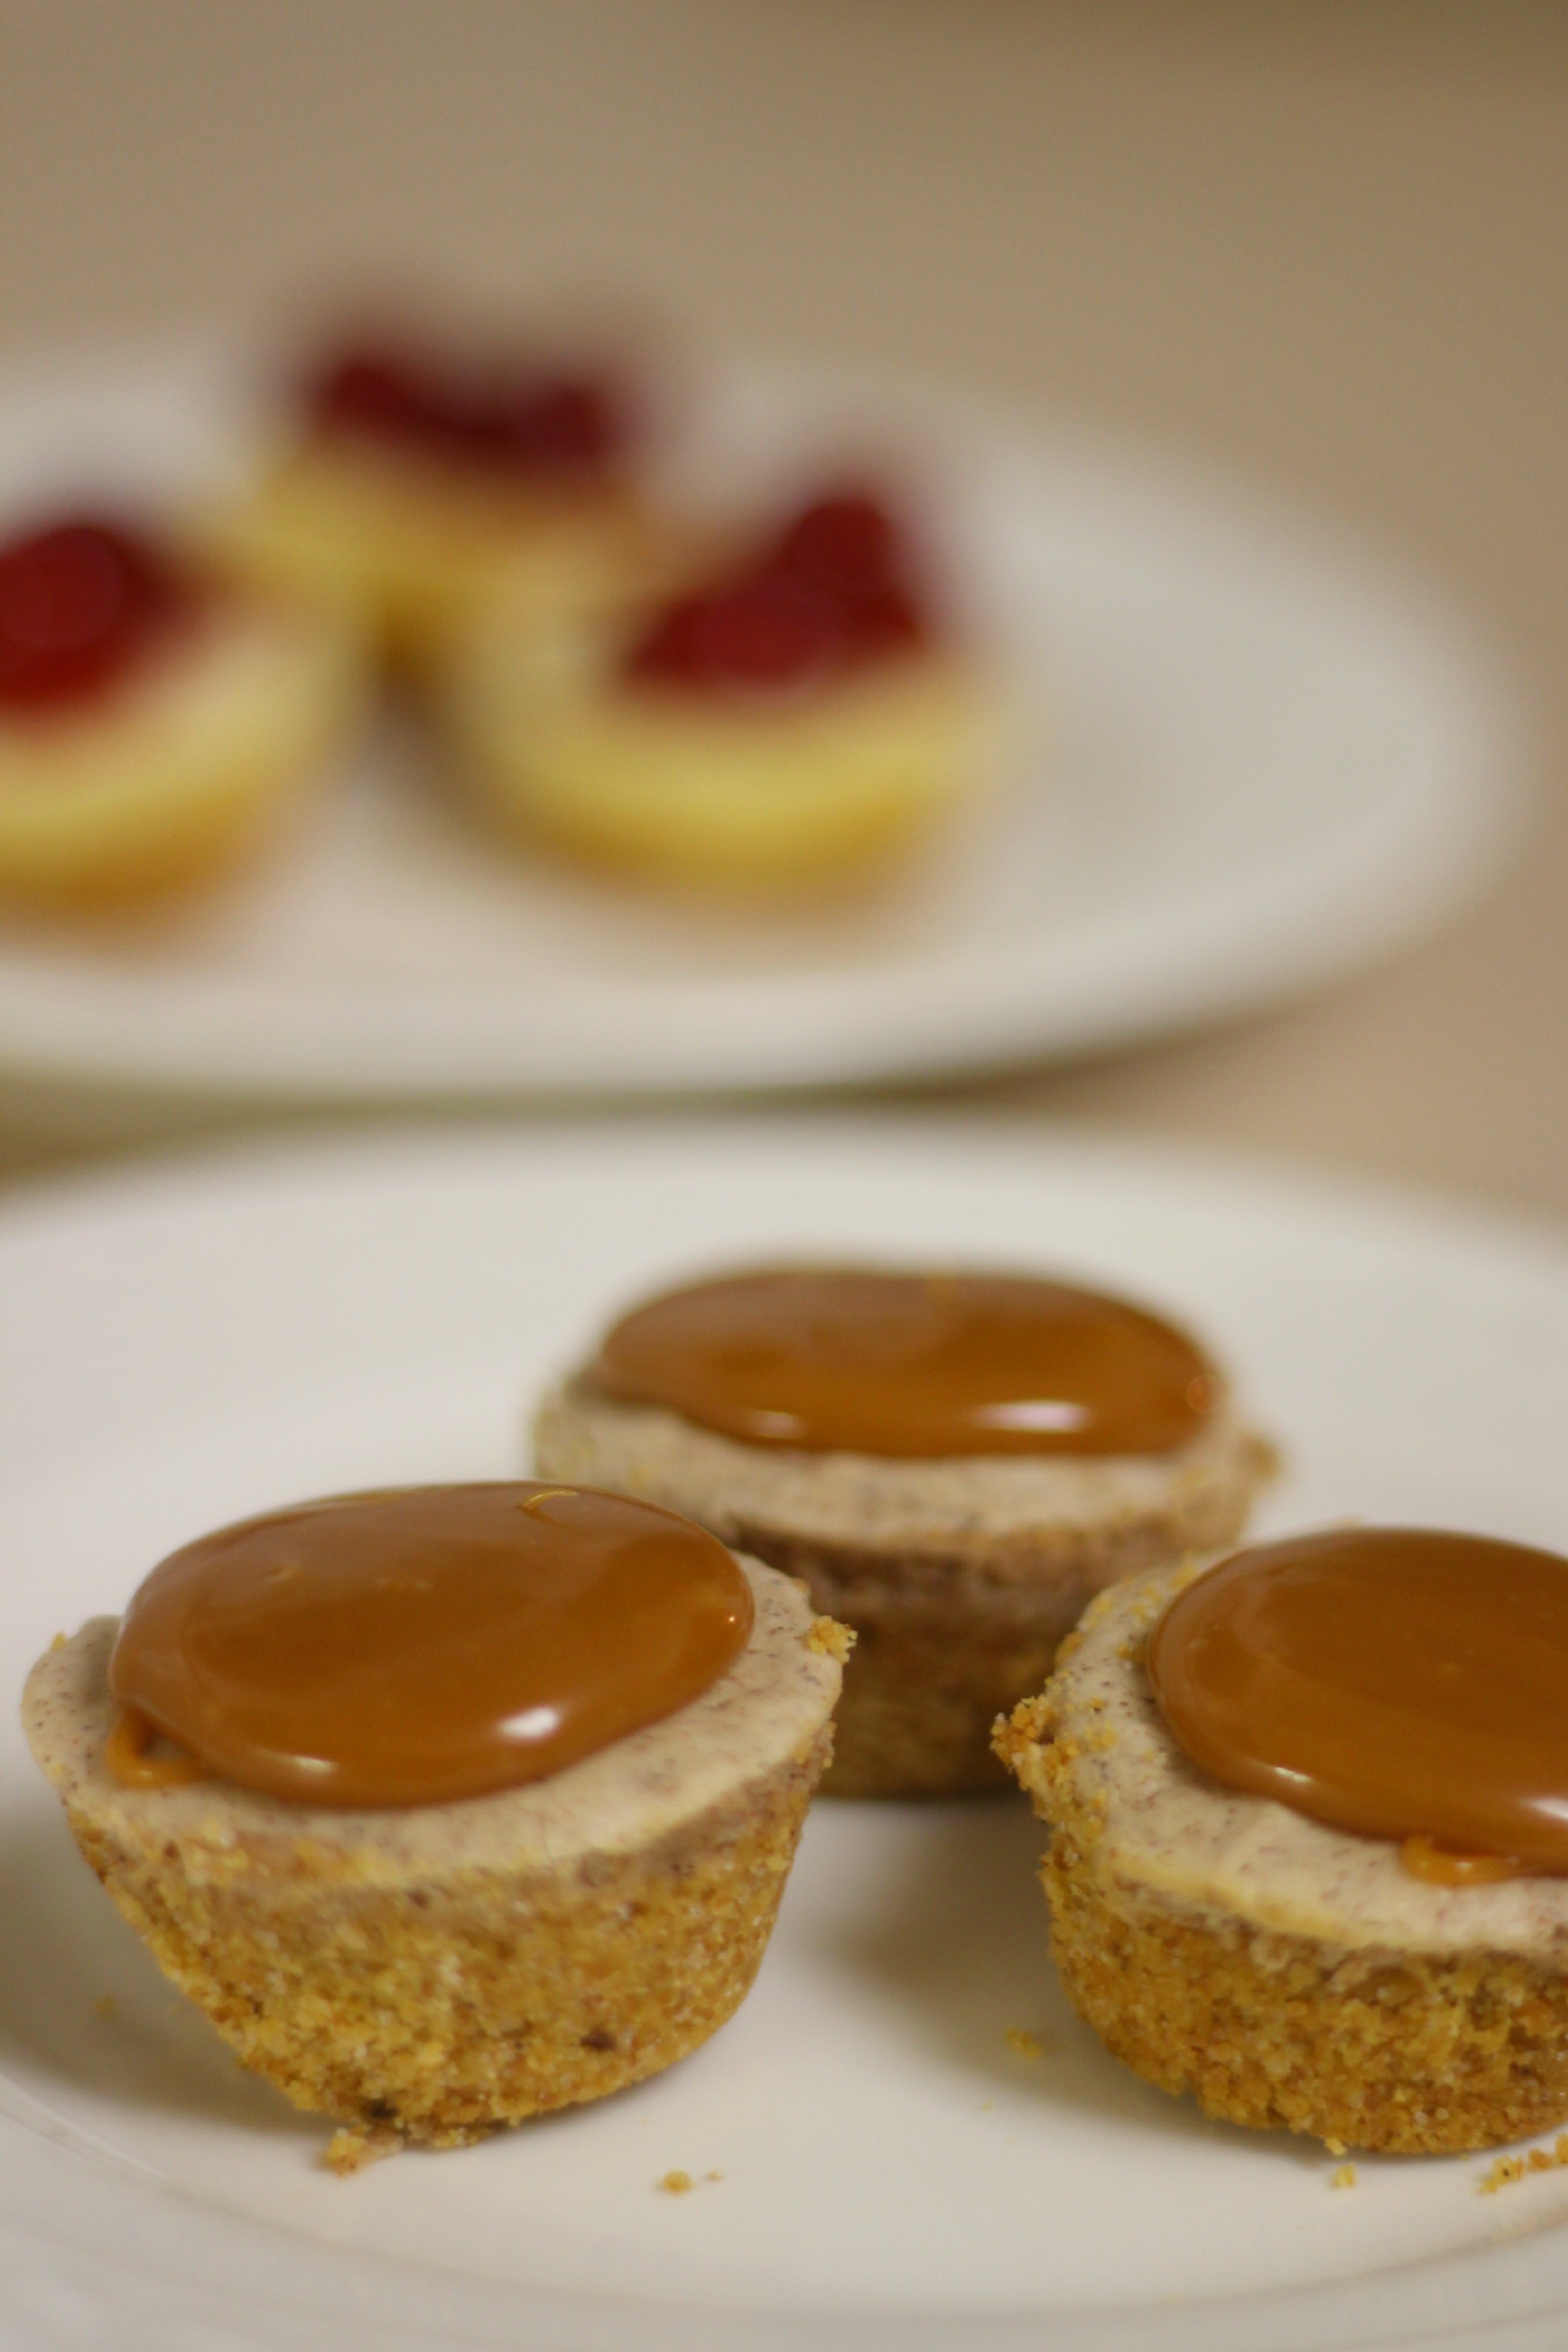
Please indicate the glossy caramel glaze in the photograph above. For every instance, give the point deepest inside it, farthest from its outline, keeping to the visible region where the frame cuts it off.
(423, 1644)
(925, 1365)
(140, 1756)
(1441, 1867)
(1394, 1681)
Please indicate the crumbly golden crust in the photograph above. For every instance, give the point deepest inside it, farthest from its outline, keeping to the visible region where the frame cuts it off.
(960, 1578)
(437, 2014)
(1410, 2053)
(431, 1974)
(1325, 1997)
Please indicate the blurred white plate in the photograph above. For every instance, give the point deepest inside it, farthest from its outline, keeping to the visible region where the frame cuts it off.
(1246, 763)
(181, 1347)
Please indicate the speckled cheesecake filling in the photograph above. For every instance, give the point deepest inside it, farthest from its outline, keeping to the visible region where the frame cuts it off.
(960, 1578)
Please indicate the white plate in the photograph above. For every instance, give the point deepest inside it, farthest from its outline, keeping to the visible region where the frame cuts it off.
(180, 1349)
(1246, 763)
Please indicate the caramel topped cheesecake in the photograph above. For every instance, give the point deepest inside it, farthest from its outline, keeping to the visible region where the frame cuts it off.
(953, 1462)
(1309, 1858)
(448, 1805)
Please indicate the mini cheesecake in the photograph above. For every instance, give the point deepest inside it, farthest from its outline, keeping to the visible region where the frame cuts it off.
(1374, 1972)
(414, 478)
(795, 713)
(152, 725)
(428, 1970)
(946, 1507)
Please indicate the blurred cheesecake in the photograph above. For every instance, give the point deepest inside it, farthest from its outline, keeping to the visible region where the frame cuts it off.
(412, 472)
(153, 726)
(795, 712)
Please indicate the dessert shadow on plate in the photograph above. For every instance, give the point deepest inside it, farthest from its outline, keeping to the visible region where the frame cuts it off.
(82, 2000)
(956, 1949)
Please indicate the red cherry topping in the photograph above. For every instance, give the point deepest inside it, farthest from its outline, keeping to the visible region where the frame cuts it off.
(507, 419)
(759, 630)
(846, 544)
(81, 605)
(829, 595)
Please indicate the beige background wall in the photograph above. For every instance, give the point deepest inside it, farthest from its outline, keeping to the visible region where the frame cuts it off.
(1325, 244)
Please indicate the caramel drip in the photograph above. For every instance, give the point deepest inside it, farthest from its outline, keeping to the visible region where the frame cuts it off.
(1435, 1864)
(421, 1644)
(925, 1365)
(1398, 1682)
(140, 1756)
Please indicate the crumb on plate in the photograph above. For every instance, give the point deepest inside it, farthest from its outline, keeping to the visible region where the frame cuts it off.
(1505, 2169)
(352, 2151)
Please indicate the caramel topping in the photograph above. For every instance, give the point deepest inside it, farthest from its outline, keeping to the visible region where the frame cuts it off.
(922, 1365)
(423, 1644)
(141, 1757)
(1435, 1864)
(1394, 1681)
